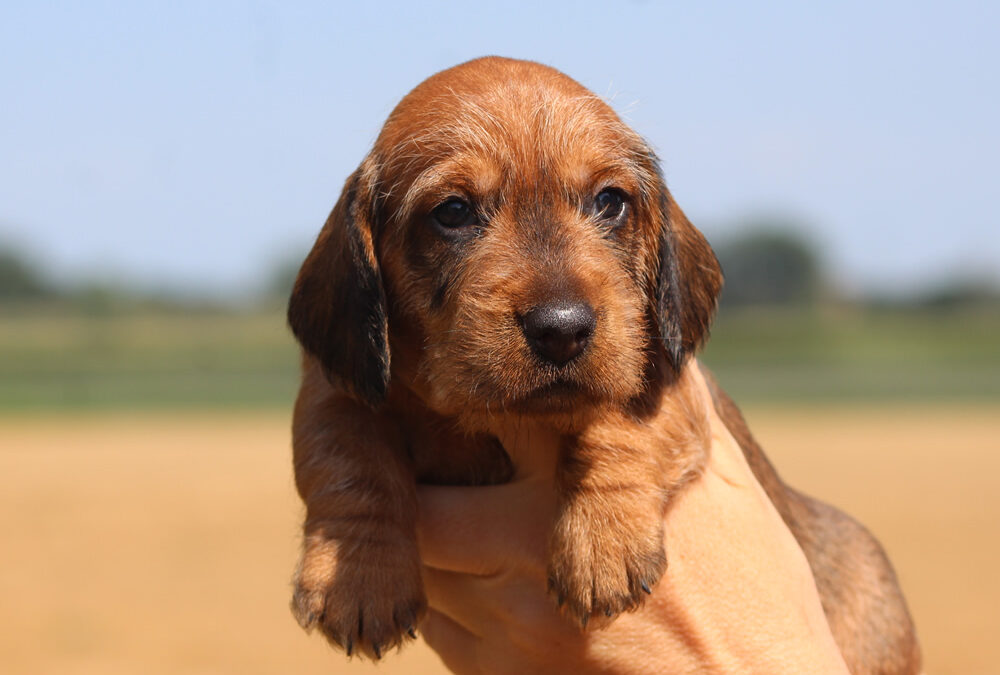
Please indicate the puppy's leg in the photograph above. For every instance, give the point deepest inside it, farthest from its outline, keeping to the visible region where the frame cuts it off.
(359, 576)
(615, 481)
(606, 550)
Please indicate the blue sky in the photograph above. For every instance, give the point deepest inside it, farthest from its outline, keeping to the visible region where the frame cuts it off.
(194, 144)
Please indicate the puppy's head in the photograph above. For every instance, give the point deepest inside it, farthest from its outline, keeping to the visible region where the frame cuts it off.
(511, 243)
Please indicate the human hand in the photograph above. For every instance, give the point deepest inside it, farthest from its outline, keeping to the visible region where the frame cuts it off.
(738, 594)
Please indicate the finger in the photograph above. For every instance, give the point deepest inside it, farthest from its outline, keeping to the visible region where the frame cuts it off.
(457, 647)
(480, 530)
(482, 604)
(458, 596)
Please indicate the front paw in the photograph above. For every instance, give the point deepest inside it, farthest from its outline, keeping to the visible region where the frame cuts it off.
(597, 571)
(366, 597)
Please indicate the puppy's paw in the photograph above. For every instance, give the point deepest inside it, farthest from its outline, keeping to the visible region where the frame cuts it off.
(596, 572)
(366, 598)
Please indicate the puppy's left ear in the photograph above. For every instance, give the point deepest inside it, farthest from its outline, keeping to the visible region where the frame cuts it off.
(338, 308)
(688, 283)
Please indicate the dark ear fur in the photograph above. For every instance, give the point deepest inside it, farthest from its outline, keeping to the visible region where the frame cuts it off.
(337, 309)
(688, 284)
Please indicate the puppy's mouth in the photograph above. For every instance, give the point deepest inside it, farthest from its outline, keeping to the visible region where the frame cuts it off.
(561, 388)
(559, 395)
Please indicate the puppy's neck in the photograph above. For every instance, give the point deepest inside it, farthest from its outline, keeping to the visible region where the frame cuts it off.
(533, 446)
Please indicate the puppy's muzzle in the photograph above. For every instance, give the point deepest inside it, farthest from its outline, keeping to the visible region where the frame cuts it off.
(558, 332)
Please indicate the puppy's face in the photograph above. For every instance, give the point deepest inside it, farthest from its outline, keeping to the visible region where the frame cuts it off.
(510, 243)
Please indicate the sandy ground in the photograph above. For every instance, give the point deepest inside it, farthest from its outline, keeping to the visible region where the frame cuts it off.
(164, 543)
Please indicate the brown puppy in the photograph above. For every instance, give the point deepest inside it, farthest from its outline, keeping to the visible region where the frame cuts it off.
(507, 276)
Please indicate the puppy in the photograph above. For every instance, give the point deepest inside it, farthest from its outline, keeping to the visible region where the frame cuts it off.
(507, 282)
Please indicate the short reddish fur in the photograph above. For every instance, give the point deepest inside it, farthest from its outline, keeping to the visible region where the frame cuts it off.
(415, 362)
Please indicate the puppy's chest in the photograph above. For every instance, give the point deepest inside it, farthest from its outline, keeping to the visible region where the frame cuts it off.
(442, 455)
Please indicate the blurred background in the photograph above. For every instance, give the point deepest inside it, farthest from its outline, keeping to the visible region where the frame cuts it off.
(164, 167)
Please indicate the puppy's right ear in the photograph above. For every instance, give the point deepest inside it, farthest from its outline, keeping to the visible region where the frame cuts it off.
(337, 310)
(688, 286)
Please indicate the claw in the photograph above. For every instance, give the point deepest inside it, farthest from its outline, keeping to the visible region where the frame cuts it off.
(350, 646)
(607, 612)
(584, 620)
(411, 632)
(645, 587)
(377, 650)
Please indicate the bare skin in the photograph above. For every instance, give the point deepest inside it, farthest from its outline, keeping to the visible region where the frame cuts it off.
(737, 596)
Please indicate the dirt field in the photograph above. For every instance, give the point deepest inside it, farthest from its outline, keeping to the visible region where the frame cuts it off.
(164, 543)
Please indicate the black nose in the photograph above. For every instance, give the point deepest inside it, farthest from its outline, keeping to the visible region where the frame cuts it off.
(559, 332)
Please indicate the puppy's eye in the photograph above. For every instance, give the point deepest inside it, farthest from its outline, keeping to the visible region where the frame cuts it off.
(609, 205)
(454, 214)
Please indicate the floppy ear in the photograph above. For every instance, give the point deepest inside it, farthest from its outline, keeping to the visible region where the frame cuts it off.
(688, 283)
(337, 309)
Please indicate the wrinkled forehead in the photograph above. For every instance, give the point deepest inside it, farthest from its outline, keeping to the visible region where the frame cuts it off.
(480, 140)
